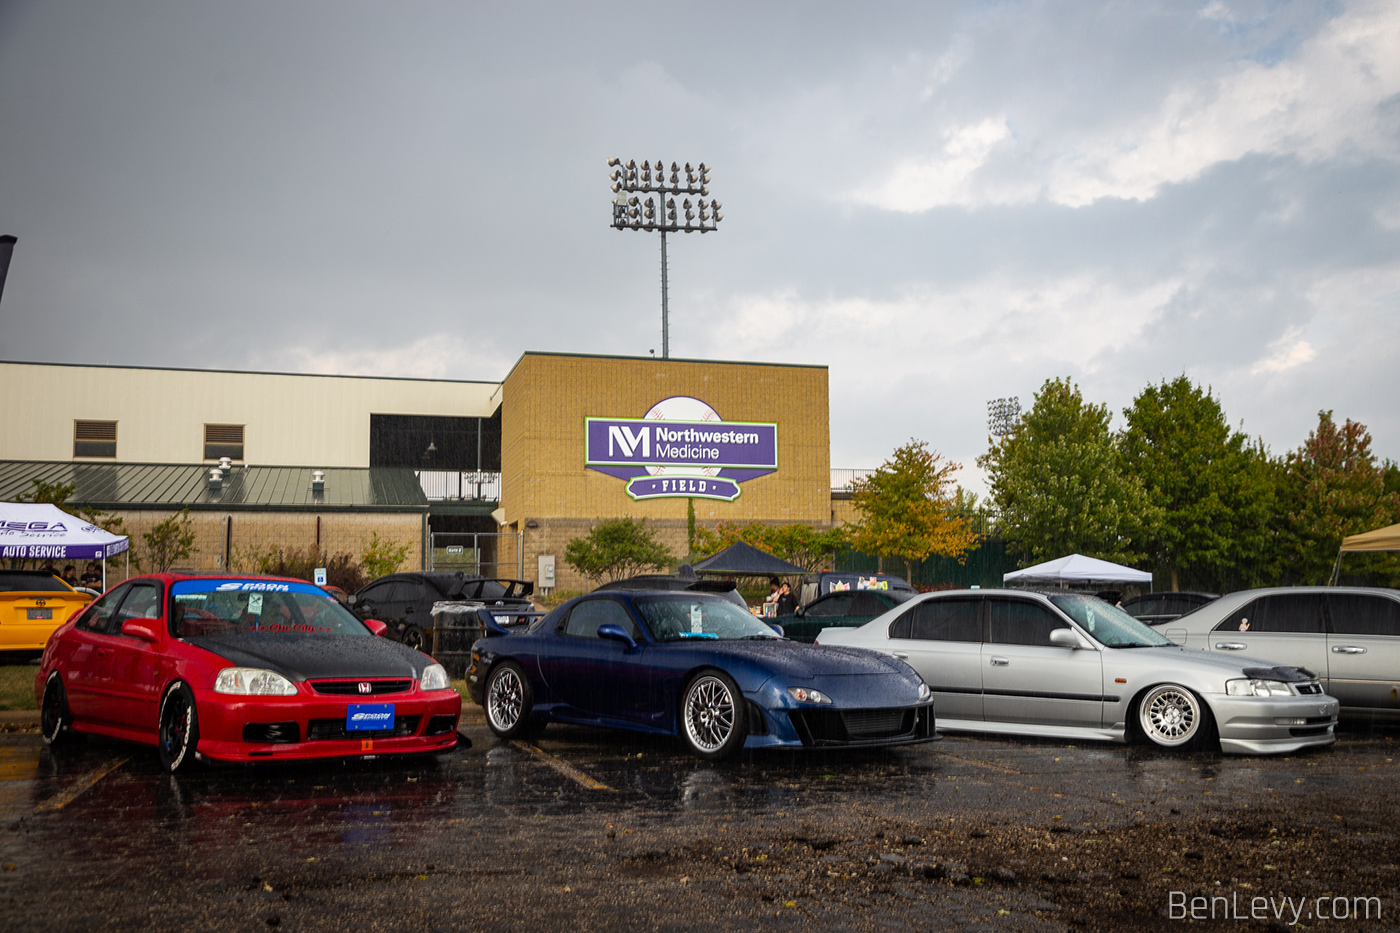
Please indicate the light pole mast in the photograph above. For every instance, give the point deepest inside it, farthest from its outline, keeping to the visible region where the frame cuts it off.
(630, 213)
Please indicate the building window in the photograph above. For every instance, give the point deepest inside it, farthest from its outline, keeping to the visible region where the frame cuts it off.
(94, 438)
(223, 440)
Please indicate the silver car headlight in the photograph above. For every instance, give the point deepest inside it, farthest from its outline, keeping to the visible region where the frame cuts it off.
(803, 695)
(924, 692)
(1257, 688)
(434, 678)
(252, 681)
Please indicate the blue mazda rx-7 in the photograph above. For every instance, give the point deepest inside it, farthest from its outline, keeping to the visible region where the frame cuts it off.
(696, 666)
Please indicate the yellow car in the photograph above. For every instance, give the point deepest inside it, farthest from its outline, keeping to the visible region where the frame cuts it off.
(33, 603)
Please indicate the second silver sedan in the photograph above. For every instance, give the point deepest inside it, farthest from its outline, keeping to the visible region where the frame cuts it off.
(1072, 666)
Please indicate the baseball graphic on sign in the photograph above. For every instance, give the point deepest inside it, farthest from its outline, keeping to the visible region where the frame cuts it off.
(681, 408)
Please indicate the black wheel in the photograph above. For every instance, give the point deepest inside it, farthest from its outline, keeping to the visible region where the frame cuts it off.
(713, 724)
(179, 729)
(54, 720)
(509, 701)
(1172, 716)
(413, 637)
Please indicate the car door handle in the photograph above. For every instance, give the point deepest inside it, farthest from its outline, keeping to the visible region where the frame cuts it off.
(1000, 662)
(901, 655)
(1229, 646)
(1347, 649)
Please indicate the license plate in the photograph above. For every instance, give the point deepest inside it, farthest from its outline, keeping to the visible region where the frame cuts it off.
(38, 615)
(370, 717)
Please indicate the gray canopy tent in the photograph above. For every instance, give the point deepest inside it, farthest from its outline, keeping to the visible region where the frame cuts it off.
(745, 560)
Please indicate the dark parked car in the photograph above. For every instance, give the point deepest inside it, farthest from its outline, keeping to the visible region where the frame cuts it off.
(696, 666)
(1156, 608)
(842, 609)
(679, 582)
(404, 601)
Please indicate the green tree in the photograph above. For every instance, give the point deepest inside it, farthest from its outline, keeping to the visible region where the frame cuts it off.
(382, 557)
(908, 511)
(1215, 496)
(48, 493)
(169, 542)
(1334, 488)
(1057, 485)
(617, 548)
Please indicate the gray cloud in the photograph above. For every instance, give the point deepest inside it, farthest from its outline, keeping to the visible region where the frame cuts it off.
(945, 204)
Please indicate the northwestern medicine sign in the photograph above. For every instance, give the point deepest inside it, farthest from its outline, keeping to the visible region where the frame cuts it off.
(680, 448)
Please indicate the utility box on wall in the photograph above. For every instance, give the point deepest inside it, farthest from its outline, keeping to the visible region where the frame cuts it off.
(546, 575)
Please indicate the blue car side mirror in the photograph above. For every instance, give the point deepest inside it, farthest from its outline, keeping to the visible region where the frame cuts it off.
(616, 633)
(778, 629)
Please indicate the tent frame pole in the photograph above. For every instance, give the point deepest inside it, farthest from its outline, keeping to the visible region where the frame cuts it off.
(1336, 569)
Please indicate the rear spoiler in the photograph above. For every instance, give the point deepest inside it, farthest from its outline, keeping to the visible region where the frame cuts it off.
(514, 589)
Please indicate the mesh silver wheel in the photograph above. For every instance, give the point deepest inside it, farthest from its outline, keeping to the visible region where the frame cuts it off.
(505, 699)
(1170, 715)
(709, 713)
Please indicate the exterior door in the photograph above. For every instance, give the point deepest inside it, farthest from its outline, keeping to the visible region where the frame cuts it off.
(1027, 679)
(599, 678)
(1283, 628)
(87, 673)
(942, 640)
(1363, 651)
(134, 679)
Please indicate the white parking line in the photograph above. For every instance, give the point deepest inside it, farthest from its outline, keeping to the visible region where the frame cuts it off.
(563, 768)
(82, 786)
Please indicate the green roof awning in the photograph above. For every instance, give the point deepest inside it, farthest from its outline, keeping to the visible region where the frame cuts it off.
(112, 486)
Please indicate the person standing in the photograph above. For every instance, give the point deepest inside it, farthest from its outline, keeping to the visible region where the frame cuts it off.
(70, 575)
(787, 603)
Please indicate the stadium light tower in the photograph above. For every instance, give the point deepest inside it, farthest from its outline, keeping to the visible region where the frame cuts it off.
(629, 212)
(1003, 415)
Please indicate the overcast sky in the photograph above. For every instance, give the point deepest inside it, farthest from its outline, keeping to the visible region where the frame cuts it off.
(944, 203)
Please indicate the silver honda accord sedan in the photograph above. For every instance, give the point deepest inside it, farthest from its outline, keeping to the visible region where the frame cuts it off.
(1066, 665)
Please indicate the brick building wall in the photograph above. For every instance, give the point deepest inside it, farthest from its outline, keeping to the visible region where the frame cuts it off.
(549, 495)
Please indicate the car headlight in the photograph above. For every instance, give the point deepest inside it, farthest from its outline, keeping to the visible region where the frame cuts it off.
(1257, 688)
(924, 692)
(252, 681)
(803, 695)
(434, 678)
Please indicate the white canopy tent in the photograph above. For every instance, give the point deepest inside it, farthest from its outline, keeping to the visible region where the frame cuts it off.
(45, 532)
(1076, 568)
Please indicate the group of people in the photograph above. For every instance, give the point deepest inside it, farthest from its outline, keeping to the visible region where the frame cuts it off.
(91, 578)
(780, 595)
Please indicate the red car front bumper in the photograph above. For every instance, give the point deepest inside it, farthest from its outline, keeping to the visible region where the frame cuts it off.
(266, 728)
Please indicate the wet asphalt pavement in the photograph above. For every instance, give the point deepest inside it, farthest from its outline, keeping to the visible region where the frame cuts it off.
(600, 830)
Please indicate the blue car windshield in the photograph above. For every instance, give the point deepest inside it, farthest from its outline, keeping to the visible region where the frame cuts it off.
(680, 616)
(1110, 625)
(253, 607)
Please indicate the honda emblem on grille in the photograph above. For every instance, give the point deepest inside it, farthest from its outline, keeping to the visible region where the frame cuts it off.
(365, 688)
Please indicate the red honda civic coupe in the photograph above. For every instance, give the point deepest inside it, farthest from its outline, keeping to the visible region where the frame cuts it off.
(240, 669)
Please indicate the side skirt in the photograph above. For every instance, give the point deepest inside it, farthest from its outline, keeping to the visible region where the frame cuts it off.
(1112, 734)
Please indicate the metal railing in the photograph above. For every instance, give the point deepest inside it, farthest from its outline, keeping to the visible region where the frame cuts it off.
(480, 485)
(841, 479)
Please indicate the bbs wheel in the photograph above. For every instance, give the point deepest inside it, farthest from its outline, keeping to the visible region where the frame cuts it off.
(712, 716)
(1171, 716)
(54, 719)
(509, 701)
(179, 729)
